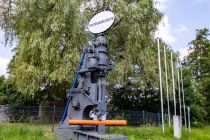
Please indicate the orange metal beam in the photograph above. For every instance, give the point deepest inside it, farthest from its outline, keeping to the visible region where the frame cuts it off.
(97, 122)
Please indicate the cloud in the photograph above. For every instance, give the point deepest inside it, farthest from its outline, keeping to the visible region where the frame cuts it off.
(183, 52)
(180, 28)
(165, 32)
(164, 28)
(160, 4)
(3, 65)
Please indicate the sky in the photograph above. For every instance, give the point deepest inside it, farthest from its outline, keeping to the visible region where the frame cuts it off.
(177, 28)
(181, 19)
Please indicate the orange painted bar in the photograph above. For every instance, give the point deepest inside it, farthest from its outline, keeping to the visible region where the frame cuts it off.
(97, 122)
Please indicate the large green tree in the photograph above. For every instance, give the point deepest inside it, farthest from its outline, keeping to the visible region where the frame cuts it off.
(198, 61)
(194, 98)
(50, 35)
(10, 95)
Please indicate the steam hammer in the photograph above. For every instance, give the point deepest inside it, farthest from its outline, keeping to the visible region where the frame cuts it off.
(88, 101)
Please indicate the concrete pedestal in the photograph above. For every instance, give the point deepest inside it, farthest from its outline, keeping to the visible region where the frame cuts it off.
(177, 127)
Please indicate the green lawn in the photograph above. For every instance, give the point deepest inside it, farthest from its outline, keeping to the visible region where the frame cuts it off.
(25, 132)
(155, 133)
(43, 132)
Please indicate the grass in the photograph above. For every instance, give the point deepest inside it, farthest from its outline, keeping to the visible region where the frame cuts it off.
(25, 132)
(155, 133)
(43, 132)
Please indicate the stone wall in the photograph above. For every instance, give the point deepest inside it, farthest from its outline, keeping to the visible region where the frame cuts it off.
(4, 114)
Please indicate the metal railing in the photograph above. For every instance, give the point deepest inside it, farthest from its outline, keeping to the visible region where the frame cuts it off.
(52, 114)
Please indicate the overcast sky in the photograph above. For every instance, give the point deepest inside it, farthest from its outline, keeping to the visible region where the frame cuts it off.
(177, 29)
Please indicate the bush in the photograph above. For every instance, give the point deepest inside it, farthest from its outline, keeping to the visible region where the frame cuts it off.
(198, 124)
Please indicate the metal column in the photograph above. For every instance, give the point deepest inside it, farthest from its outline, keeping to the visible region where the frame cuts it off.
(161, 94)
(185, 120)
(166, 72)
(174, 93)
(180, 102)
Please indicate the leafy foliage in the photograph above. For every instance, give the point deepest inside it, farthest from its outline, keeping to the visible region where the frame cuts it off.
(9, 93)
(198, 65)
(49, 34)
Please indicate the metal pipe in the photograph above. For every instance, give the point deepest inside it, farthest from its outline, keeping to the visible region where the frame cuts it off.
(161, 93)
(173, 86)
(99, 89)
(185, 120)
(98, 122)
(169, 114)
(180, 102)
(188, 112)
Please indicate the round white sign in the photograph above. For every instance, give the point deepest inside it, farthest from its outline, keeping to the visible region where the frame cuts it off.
(101, 22)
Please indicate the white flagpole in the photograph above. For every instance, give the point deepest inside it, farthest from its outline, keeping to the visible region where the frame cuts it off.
(161, 94)
(185, 120)
(180, 102)
(174, 93)
(188, 112)
(169, 114)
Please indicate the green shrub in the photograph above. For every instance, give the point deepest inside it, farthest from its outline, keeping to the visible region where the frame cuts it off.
(198, 124)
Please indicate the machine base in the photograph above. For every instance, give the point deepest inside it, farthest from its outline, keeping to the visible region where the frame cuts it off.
(72, 134)
(65, 133)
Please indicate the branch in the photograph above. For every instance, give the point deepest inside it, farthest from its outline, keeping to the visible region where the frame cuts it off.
(118, 23)
(44, 10)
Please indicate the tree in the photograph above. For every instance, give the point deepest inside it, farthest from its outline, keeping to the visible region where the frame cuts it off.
(49, 34)
(198, 62)
(193, 97)
(10, 95)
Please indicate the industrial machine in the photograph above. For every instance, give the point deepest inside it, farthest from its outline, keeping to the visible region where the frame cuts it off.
(84, 117)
